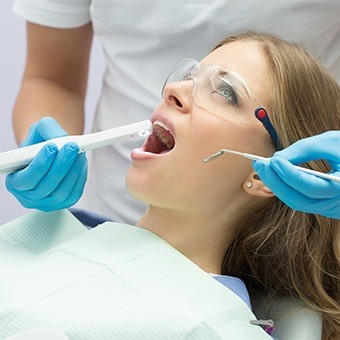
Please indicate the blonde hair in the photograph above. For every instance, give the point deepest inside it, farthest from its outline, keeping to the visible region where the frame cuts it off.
(279, 250)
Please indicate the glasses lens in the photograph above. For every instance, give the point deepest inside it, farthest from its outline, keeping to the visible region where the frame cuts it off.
(217, 90)
(184, 70)
(225, 92)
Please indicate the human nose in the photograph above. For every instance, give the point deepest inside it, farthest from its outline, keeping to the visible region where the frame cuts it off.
(179, 94)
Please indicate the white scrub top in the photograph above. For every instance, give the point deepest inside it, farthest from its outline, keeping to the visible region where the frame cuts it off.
(143, 40)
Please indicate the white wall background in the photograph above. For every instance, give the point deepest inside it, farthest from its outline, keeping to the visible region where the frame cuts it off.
(12, 59)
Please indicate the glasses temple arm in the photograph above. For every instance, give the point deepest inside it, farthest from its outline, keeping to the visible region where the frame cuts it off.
(262, 115)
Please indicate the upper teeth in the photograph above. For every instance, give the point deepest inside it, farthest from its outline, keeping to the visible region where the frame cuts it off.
(163, 125)
(163, 133)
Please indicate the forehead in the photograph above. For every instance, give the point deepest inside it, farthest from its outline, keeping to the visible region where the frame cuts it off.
(249, 60)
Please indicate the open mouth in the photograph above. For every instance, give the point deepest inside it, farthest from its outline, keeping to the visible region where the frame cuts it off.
(161, 141)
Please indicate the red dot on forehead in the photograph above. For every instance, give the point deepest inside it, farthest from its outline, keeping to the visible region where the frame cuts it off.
(261, 113)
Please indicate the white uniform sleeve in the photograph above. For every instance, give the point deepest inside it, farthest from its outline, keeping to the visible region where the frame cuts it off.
(54, 13)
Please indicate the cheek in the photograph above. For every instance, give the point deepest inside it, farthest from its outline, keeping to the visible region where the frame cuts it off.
(229, 169)
(183, 177)
(206, 139)
(226, 171)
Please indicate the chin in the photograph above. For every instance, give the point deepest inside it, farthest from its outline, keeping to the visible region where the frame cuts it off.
(137, 185)
(150, 188)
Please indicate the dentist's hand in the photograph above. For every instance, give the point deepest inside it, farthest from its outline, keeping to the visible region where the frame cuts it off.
(54, 179)
(299, 190)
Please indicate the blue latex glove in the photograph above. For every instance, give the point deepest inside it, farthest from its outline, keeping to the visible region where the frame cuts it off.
(301, 191)
(54, 179)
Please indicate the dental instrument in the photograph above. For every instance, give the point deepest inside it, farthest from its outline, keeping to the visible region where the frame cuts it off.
(255, 157)
(16, 159)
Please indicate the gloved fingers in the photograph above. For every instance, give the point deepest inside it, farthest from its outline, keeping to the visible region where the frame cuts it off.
(49, 128)
(280, 189)
(31, 137)
(45, 129)
(327, 207)
(323, 146)
(61, 165)
(335, 168)
(76, 192)
(65, 189)
(67, 194)
(29, 177)
(309, 185)
(333, 211)
(294, 199)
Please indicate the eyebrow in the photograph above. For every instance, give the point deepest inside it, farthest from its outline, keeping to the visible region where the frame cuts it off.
(239, 79)
(244, 84)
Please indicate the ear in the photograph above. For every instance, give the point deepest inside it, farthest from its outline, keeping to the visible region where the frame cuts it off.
(253, 185)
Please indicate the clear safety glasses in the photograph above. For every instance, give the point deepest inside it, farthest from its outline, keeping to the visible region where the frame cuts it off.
(219, 90)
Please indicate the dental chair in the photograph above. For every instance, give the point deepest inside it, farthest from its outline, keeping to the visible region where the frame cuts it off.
(293, 320)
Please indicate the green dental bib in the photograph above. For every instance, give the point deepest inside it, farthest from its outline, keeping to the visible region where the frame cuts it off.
(112, 282)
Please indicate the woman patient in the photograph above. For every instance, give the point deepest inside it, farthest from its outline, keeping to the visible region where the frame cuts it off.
(219, 214)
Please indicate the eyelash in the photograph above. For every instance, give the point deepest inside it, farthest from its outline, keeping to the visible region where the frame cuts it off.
(229, 88)
(234, 100)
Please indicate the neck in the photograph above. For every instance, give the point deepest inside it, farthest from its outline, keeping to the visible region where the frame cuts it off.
(202, 239)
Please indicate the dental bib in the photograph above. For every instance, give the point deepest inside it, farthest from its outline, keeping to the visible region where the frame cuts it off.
(112, 282)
